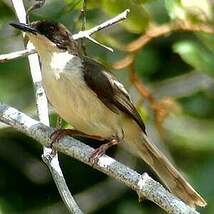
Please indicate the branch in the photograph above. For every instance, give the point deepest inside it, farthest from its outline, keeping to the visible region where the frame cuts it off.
(152, 33)
(42, 107)
(15, 55)
(108, 23)
(87, 33)
(82, 34)
(144, 185)
(161, 108)
(82, 17)
(157, 31)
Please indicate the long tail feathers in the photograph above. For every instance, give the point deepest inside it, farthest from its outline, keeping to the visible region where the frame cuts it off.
(171, 177)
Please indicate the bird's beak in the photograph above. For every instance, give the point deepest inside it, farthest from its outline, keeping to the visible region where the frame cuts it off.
(24, 27)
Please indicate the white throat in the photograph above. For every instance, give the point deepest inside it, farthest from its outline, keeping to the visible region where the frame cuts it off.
(60, 60)
(59, 63)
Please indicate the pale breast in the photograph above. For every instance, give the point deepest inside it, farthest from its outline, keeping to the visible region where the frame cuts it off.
(74, 101)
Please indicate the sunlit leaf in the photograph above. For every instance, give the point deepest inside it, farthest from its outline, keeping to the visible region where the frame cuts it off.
(193, 10)
(201, 9)
(175, 9)
(196, 55)
(138, 18)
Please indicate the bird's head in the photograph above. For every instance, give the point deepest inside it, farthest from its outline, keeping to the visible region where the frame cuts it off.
(47, 35)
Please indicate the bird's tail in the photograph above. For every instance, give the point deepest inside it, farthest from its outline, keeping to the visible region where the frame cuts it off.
(170, 176)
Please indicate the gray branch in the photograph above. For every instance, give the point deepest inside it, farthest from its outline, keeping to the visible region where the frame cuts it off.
(87, 33)
(106, 24)
(144, 185)
(16, 54)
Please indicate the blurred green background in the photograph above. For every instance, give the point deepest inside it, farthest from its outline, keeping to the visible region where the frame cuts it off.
(179, 66)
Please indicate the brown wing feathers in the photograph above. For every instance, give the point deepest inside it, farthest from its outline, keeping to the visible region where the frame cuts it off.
(110, 93)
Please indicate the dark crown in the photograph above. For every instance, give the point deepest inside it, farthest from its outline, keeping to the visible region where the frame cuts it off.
(57, 33)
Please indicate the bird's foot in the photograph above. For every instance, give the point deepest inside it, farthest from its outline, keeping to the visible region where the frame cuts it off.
(102, 150)
(55, 137)
(60, 133)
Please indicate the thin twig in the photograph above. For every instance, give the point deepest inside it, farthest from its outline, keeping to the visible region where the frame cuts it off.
(37, 5)
(87, 33)
(161, 107)
(83, 14)
(157, 31)
(122, 16)
(144, 185)
(16, 54)
(100, 44)
(138, 84)
(161, 30)
(42, 108)
(83, 19)
(152, 33)
(82, 34)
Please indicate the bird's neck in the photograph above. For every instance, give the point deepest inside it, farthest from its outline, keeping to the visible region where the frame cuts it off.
(57, 62)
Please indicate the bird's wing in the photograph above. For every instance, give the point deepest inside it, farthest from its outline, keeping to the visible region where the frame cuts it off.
(109, 90)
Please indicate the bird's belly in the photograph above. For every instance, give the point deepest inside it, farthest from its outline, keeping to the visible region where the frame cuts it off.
(80, 107)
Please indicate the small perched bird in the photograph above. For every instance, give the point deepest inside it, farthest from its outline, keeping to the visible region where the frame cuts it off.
(97, 105)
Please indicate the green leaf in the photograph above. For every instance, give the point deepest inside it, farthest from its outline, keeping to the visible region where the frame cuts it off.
(207, 40)
(175, 9)
(193, 10)
(157, 11)
(147, 62)
(138, 18)
(196, 55)
(201, 10)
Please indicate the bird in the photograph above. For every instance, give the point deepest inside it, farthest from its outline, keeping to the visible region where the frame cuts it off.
(87, 96)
